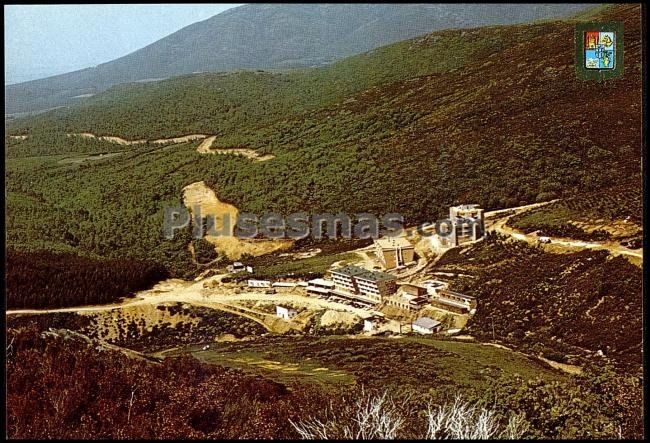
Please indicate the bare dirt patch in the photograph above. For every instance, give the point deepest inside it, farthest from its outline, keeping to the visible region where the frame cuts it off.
(225, 215)
(339, 319)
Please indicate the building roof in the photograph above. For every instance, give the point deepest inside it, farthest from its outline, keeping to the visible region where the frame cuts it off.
(393, 242)
(318, 289)
(321, 281)
(364, 274)
(434, 283)
(426, 322)
(349, 270)
(466, 207)
(449, 302)
(457, 294)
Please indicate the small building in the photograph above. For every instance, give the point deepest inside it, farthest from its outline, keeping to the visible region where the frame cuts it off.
(407, 302)
(238, 266)
(320, 286)
(284, 284)
(413, 289)
(465, 299)
(259, 284)
(249, 269)
(373, 322)
(426, 325)
(454, 301)
(433, 286)
(285, 312)
(394, 252)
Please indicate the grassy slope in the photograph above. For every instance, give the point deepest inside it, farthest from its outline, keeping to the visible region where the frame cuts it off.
(509, 127)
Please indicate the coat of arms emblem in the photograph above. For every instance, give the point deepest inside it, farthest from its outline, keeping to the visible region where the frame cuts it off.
(600, 50)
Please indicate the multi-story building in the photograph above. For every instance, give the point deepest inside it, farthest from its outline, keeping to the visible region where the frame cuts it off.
(369, 286)
(393, 252)
(467, 223)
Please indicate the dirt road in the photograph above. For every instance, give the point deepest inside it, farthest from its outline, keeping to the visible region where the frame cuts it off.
(124, 142)
(206, 148)
(175, 290)
(500, 225)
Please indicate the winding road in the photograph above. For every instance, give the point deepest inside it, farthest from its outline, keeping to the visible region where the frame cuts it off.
(500, 225)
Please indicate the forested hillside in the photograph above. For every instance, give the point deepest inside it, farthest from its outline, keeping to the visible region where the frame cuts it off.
(276, 36)
(498, 118)
(43, 279)
(227, 104)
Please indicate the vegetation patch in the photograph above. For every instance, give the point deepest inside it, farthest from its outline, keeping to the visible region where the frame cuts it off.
(43, 279)
(572, 304)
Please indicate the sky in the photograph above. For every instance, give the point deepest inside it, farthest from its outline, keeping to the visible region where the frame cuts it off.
(44, 40)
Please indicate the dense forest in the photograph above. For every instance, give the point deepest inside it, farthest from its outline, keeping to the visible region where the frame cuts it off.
(45, 279)
(220, 103)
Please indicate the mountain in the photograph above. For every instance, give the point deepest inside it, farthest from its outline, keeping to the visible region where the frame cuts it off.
(500, 126)
(262, 36)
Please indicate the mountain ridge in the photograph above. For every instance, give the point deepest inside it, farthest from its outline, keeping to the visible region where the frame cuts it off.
(262, 36)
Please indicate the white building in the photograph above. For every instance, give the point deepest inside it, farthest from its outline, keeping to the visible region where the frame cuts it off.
(320, 286)
(372, 323)
(433, 286)
(466, 224)
(426, 325)
(284, 284)
(369, 325)
(284, 312)
(259, 284)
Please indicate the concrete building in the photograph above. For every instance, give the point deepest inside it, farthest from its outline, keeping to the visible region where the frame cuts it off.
(426, 325)
(285, 312)
(468, 223)
(259, 284)
(320, 286)
(433, 286)
(454, 301)
(405, 301)
(369, 286)
(413, 289)
(394, 252)
(409, 297)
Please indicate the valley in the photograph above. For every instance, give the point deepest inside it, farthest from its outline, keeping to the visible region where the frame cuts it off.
(535, 310)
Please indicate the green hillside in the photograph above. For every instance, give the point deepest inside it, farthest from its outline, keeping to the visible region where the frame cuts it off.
(228, 104)
(491, 115)
(259, 36)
